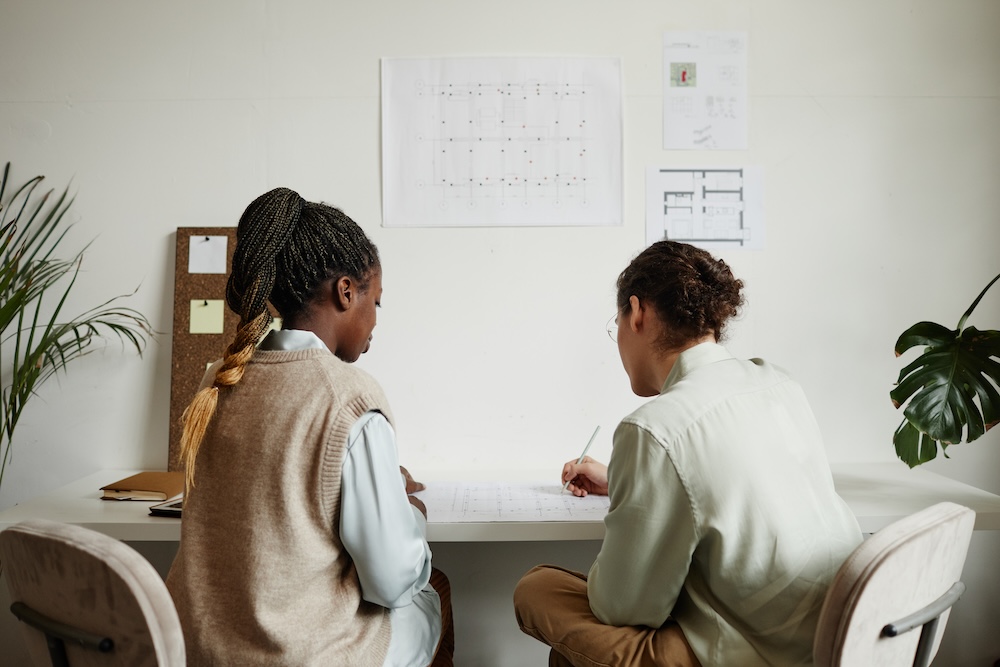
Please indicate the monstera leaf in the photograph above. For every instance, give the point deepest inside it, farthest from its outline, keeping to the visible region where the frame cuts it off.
(951, 387)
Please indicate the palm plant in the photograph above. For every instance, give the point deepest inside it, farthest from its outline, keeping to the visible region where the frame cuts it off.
(35, 343)
(958, 368)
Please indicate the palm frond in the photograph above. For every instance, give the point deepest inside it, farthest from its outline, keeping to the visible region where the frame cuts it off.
(35, 341)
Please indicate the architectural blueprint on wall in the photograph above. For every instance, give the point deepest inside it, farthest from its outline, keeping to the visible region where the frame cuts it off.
(709, 208)
(705, 90)
(501, 141)
(488, 502)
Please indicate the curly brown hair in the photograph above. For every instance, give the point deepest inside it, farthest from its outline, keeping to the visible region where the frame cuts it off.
(694, 293)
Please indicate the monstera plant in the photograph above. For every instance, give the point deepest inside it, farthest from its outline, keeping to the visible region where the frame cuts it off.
(951, 387)
(36, 339)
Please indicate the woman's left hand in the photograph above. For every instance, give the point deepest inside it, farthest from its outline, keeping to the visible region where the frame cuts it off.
(419, 504)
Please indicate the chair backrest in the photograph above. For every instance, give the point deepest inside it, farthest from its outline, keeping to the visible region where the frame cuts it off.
(903, 568)
(94, 584)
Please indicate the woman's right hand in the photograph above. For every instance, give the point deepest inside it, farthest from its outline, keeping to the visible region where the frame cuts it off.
(588, 476)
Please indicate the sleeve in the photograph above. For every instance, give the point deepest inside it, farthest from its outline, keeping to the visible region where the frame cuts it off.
(650, 535)
(380, 529)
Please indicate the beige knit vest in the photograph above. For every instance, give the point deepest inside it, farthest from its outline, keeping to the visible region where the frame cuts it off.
(261, 577)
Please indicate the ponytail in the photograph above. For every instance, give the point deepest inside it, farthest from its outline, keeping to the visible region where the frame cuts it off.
(264, 230)
(199, 412)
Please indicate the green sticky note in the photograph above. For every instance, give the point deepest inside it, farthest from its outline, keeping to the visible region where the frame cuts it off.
(206, 316)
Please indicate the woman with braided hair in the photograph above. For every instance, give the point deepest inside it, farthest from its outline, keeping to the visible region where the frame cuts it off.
(300, 541)
(724, 529)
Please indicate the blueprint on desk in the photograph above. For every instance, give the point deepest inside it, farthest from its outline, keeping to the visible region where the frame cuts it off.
(486, 502)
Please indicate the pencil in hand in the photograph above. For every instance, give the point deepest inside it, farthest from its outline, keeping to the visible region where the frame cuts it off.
(584, 455)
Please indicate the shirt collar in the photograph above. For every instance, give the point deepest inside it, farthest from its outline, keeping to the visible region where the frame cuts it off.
(693, 358)
(291, 339)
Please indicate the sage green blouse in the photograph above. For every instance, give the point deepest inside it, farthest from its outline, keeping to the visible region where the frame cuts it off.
(723, 514)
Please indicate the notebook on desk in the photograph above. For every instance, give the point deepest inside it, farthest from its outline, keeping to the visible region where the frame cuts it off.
(148, 485)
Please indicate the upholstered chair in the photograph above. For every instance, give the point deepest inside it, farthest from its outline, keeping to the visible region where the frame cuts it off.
(87, 599)
(889, 603)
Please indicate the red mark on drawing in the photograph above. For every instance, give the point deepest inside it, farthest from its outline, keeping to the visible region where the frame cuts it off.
(684, 76)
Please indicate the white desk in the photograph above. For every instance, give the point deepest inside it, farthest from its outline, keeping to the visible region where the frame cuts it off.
(878, 493)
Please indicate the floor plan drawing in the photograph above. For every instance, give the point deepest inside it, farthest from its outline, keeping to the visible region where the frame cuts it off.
(501, 141)
(705, 207)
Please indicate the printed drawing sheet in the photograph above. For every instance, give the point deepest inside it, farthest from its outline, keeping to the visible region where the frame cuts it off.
(501, 142)
(713, 208)
(488, 502)
(705, 90)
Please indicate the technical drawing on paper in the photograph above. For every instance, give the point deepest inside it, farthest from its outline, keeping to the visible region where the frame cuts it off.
(705, 207)
(491, 502)
(705, 90)
(501, 141)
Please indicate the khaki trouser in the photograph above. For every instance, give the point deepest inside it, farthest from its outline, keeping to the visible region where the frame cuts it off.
(551, 605)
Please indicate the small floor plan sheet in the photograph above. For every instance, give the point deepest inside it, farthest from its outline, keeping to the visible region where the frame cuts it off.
(490, 502)
(712, 208)
(501, 141)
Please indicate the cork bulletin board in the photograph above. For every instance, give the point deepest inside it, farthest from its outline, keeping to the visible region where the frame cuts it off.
(203, 325)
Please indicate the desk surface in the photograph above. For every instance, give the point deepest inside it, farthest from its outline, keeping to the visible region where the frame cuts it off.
(877, 493)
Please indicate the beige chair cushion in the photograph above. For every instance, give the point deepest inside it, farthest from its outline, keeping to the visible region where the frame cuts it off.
(93, 582)
(897, 571)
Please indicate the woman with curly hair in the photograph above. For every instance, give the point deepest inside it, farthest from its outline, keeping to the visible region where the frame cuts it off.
(724, 529)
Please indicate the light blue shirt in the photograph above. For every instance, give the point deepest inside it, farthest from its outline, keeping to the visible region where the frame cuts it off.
(384, 534)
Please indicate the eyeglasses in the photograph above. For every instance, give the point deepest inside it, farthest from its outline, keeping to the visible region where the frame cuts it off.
(613, 327)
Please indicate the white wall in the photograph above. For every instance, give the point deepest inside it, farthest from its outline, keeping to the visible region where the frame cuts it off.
(875, 124)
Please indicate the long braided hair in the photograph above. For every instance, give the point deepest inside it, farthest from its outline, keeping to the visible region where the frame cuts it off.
(286, 248)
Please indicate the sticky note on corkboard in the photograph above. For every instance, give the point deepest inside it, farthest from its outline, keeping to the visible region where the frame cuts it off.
(201, 332)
